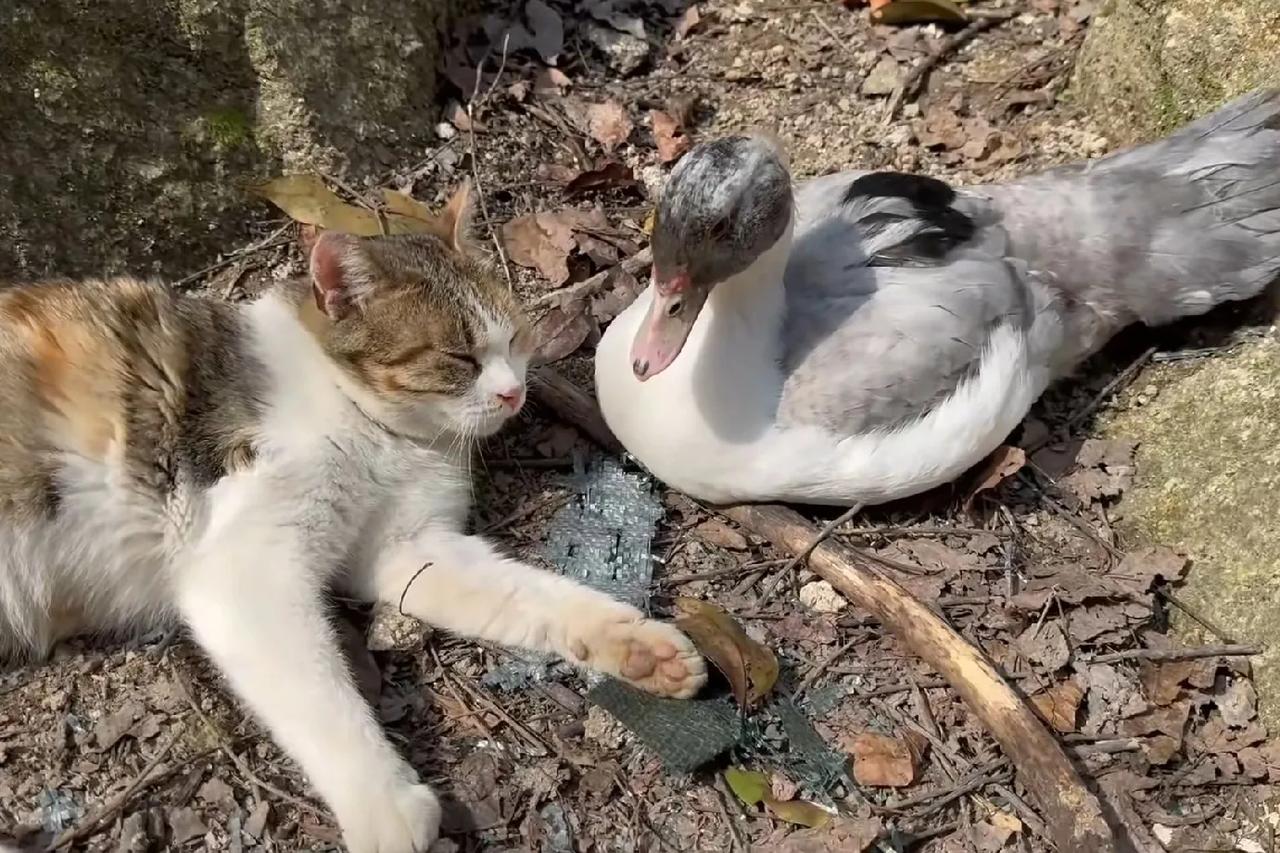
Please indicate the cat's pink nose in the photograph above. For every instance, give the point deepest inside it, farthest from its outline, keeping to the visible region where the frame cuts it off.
(512, 397)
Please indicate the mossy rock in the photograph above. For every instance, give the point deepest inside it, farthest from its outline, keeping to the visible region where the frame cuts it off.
(1208, 484)
(1148, 66)
(131, 126)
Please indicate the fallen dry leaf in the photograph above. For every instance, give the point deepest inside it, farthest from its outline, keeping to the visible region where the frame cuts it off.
(608, 124)
(1003, 463)
(306, 199)
(560, 331)
(1058, 705)
(752, 669)
(1141, 568)
(882, 761)
(611, 175)
(543, 241)
(550, 81)
(754, 788)
(116, 725)
(1045, 644)
(917, 12)
(690, 19)
(1238, 703)
(668, 135)
(718, 533)
(459, 118)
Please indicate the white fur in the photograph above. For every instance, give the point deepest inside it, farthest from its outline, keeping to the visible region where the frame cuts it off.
(333, 499)
(706, 425)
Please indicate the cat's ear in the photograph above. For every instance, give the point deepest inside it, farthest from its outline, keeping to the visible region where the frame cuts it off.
(339, 277)
(456, 220)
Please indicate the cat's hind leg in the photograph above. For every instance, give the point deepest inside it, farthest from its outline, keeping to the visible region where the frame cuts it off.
(258, 611)
(461, 584)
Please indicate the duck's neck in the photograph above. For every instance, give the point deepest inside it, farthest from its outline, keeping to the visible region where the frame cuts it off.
(755, 298)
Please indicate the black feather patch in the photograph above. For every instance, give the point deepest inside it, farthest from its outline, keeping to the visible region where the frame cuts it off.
(942, 226)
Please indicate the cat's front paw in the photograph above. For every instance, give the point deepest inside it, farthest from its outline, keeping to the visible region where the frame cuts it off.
(654, 656)
(402, 819)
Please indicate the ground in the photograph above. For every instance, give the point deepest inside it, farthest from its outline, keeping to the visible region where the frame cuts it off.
(137, 747)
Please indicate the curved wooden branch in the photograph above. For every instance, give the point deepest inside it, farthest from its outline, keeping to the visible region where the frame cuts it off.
(1072, 813)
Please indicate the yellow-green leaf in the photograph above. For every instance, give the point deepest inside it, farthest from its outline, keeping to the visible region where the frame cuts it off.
(918, 12)
(305, 198)
(752, 670)
(750, 786)
(799, 811)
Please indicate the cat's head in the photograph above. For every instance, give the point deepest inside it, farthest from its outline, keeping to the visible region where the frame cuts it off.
(429, 341)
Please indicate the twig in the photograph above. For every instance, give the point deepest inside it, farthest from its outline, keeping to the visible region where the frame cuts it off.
(634, 265)
(734, 571)
(980, 778)
(1197, 616)
(108, 809)
(1111, 387)
(1195, 653)
(269, 242)
(475, 160)
(924, 66)
(822, 536)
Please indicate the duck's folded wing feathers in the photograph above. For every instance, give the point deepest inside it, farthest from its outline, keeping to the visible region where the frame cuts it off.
(895, 285)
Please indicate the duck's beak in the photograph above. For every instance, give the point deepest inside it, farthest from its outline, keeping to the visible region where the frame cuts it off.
(672, 311)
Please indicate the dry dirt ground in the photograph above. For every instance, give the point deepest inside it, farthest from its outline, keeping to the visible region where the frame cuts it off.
(138, 747)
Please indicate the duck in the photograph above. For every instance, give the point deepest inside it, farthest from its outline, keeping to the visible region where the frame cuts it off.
(866, 336)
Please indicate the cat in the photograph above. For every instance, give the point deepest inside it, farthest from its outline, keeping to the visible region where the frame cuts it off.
(172, 457)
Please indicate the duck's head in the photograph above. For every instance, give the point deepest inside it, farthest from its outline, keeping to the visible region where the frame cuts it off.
(726, 203)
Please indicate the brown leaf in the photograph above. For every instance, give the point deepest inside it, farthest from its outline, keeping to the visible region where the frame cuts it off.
(550, 81)
(561, 330)
(608, 124)
(668, 135)
(882, 761)
(542, 241)
(1003, 463)
(1058, 705)
(622, 291)
(690, 19)
(1046, 645)
(184, 825)
(1162, 682)
(1161, 749)
(459, 118)
(611, 175)
(1170, 721)
(718, 533)
(117, 724)
(1141, 567)
(752, 669)
(306, 199)
(917, 12)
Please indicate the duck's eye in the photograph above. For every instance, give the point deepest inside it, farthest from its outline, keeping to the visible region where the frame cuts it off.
(673, 309)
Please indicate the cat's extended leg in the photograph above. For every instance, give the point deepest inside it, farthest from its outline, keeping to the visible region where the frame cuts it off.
(460, 583)
(259, 613)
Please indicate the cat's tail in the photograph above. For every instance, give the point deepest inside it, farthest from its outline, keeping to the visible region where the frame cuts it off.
(1163, 230)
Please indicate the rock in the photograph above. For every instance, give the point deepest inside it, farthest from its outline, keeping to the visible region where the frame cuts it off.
(883, 78)
(392, 630)
(1148, 66)
(623, 52)
(1208, 485)
(822, 597)
(131, 125)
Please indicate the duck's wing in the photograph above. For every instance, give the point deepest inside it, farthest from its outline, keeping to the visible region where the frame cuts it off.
(895, 289)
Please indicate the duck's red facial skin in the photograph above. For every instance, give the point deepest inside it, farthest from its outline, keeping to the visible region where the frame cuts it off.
(665, 328)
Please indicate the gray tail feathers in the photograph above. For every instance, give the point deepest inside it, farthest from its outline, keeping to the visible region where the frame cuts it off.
(1164, 230)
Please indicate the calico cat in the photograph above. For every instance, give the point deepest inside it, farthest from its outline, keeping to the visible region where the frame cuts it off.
(168, 457)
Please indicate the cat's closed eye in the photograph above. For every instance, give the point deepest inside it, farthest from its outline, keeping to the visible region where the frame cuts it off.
(464, 358)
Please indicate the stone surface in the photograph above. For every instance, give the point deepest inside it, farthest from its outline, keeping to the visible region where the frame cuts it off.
(1148, 66)
(1208, 484)
(130, 126)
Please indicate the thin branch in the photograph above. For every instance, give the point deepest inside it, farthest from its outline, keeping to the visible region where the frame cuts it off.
(1195, 653)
